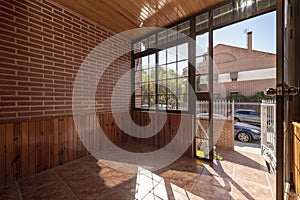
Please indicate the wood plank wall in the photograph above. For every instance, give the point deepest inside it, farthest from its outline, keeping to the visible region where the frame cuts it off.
(30, 147)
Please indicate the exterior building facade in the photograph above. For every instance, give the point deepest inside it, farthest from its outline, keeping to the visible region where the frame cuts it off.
(239, 70)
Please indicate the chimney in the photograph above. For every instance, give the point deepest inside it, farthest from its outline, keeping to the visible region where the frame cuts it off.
(249, 34)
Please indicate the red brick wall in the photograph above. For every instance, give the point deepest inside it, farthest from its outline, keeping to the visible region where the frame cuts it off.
(226, 138)
(247, 88)
(42, 46)
(223, 132)
(232, 59)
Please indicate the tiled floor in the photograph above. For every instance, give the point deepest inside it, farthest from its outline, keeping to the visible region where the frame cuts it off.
(239, 176)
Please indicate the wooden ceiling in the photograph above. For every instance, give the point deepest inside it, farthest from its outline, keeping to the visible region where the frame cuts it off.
(122, 15)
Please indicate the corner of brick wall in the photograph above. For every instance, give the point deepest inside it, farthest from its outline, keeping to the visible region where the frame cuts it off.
(226, 138)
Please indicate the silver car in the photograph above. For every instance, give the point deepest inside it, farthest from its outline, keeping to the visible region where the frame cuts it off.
(247, 116)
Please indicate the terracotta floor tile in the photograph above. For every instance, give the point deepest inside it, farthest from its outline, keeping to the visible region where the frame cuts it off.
(207, 191)
(244, 189)
(129, 186)
(40, 180)
(92, 189)
(69, 169)
(9, 192)
(180, 175)
(53, 191)
(117, 177)
(225, 183)
(250, 174)
(186, 178)
(116, 194)
(186, 185)
(79, 177)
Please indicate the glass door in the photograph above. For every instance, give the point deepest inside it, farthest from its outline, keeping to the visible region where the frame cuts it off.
(203, 119)
(286, 90)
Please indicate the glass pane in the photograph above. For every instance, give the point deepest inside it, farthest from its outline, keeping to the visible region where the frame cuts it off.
(171, 55)
(202, 83)
(182, 52)
(182, 86)
(202, 148)
(244, 8)
(223, 14)
(171, 102)
(162, 57)
(184, 28)
(182, 102)
(138, 64)
(152, 60)
(145, 76)
(145, 102)
(162, 37)
(152, 41)
(202, 44)
(202, 65)
(172, 86)
(171, 70)
(162, 102)
(172, 34)
(151, 88)
(262, 4)
(145, 62)
(145, 90)
(182, 69)
(202, 22)
(152, 101)
(162, 87)
(162, 73)
(152, 74)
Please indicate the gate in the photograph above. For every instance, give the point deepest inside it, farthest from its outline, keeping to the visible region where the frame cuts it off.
(268, 134)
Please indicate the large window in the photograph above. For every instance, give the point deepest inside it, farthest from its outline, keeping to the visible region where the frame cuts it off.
(161, 59)
(162, 79)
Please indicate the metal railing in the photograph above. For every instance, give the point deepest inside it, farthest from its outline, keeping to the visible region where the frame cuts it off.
(268, 133)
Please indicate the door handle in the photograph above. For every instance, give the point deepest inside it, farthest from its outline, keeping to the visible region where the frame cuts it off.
(291, 91)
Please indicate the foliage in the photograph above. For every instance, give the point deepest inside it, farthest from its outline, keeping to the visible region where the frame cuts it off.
(169, 86)
(258, 97)
(218, 156)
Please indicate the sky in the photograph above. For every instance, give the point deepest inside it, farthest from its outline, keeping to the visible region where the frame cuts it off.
(263, 30)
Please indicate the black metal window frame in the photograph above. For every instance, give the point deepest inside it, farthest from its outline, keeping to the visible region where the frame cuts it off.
(194, 30)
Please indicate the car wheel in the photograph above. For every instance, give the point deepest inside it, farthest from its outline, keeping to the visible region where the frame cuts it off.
(243, 137)
(236, 119)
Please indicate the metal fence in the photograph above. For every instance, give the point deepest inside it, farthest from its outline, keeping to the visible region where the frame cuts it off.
(221, 108)
(268, 133)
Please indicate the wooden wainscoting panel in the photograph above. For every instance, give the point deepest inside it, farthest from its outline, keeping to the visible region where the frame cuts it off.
(2, 154)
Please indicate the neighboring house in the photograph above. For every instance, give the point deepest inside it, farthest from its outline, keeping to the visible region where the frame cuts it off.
(239, 70)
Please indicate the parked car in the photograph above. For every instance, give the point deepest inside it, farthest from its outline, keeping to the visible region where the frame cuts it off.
(247, 116)
(246, 132)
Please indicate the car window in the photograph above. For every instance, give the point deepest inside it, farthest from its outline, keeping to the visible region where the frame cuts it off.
(243, 112)
(254, 113)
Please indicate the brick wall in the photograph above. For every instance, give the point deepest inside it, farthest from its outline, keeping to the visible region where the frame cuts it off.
(223, 132)
(42, 46)
(226, 138)
(234, 59)
(247, 88)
